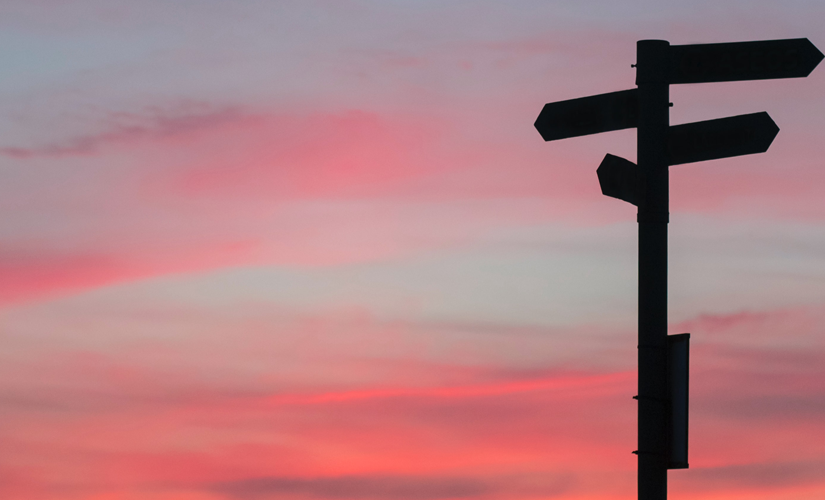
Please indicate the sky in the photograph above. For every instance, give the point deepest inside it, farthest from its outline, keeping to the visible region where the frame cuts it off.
(315, 250)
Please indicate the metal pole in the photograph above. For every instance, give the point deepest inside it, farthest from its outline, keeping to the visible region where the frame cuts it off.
(651, 77)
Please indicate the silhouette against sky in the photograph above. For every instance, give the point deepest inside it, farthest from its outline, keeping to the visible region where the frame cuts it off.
(317, 250)
(663, 360)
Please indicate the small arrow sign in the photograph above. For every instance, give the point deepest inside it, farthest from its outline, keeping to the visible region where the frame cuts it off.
(589, 115)
(619, 178)
(722, 138)
(728, 62)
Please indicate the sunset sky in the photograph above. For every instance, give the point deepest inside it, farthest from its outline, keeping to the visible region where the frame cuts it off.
(315, 250)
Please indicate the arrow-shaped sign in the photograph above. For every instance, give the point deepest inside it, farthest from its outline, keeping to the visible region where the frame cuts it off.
(589, 115)
(722, 138)
(727, 62)
(619, 178)
(692, 142)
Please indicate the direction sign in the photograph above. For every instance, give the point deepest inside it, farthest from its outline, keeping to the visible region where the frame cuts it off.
(727, 62)
(589, 115)
(722, 138)
(619, 178)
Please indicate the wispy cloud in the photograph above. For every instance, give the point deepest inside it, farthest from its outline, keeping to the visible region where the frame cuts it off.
(371, 487)
(30, 271)
(755, 476)
(124, 128)
(400, 487)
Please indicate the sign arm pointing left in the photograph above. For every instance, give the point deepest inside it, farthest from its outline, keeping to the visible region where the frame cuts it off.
(589, 115)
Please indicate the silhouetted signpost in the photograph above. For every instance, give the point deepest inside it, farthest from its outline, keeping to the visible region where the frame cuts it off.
(663, 358)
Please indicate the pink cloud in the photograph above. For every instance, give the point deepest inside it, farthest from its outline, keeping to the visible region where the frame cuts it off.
(199, 186)
(313, 156)
(789, 191)
(187, 433)
(26, 275)
(209, 429)
(222, 178)
(556, 382)
(35, 273)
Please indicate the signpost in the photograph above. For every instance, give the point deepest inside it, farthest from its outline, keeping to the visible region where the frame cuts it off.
(663, 359)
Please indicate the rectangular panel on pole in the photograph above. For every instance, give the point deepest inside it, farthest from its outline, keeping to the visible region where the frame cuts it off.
(678, 364)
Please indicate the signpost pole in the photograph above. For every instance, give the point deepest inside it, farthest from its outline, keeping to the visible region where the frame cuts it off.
(652, 62)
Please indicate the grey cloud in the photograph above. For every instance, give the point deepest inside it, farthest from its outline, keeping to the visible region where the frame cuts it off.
(150, 123)
(346, 487)
(390, 487)
(755, 476)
